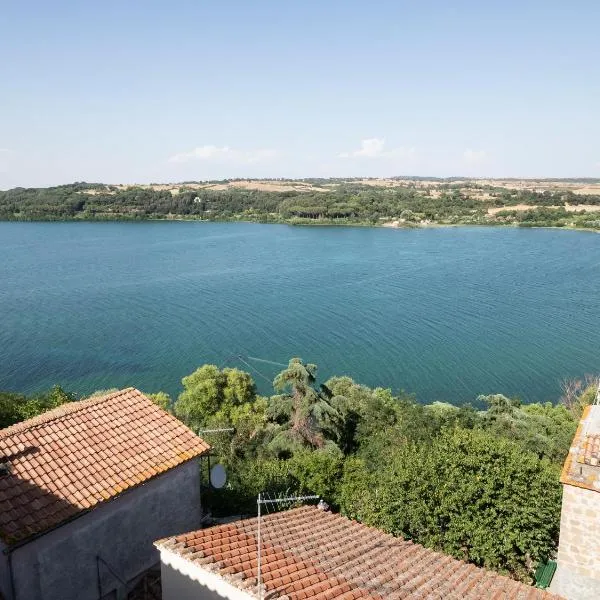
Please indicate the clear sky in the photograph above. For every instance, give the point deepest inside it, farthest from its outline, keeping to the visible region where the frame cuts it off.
(142, 91)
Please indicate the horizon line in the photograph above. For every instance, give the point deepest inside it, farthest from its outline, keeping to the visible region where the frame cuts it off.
(320, 178)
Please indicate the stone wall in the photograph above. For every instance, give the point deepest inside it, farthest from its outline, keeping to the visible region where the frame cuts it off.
(578, 573)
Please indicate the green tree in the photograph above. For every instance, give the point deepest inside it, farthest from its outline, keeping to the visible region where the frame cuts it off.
(498, 404)
(579, 393)
(318, 472)
(364, 412)
(481, 485)
(305, 416)
(162, 399)
(209, 391)
(469, 494)
(57, 396)
(17, 407)
(45, 401)
(11, 408)
(250, 435)
(544, 429)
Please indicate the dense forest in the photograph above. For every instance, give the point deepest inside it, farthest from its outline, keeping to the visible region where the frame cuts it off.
(479, 482)
(345, 202)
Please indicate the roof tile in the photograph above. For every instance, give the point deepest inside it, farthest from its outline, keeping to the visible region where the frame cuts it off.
(69, 459)
(315, 555)
(311, 554)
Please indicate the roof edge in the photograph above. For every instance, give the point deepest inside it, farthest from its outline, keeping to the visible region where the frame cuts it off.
(230, 588)
(208, 561)
(565, 478)
(10, 546)
(61, 411)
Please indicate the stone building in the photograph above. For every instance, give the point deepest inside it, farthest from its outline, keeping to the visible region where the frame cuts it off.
(85, 489)
(577, 575)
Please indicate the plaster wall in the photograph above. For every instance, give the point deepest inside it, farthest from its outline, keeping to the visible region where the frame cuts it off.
(4, 572)
(577, 575)
(184, 580)
(62, 564)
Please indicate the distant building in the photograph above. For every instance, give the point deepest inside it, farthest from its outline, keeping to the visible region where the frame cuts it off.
(577, 575)
(85, 489)
(311, 554)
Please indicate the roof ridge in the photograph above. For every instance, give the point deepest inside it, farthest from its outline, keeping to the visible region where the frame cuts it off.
(61, 411)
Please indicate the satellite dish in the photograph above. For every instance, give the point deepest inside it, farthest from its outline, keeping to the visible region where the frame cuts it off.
(218, 477)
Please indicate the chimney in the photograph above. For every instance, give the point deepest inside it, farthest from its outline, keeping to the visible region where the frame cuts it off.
(577, 575)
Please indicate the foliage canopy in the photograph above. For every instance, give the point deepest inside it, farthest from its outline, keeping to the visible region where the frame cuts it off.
(480, 484)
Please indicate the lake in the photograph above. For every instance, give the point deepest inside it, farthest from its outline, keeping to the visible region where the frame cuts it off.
(446, 313)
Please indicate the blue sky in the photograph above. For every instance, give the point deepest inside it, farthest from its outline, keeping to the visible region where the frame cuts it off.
(189, 90)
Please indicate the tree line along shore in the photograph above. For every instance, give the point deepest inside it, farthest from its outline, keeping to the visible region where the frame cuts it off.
(478, 481)
(393, 203)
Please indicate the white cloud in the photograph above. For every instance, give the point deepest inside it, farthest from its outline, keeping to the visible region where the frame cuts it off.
(223, 154)
(474, 157)
(372, 148)
(375, 148)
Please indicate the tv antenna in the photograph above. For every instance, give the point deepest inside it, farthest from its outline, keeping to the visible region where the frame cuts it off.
(217, 430)
(217, 476)
(259, 503)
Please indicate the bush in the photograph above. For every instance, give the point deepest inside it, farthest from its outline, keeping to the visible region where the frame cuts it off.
(470, 494)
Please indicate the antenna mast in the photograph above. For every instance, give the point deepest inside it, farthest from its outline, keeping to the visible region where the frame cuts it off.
(204, 432)
(259, 502)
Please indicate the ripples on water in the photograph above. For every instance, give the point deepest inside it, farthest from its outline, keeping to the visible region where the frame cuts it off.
(445, 313)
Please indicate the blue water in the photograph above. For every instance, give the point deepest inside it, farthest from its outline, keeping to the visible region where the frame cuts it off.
(444, 313)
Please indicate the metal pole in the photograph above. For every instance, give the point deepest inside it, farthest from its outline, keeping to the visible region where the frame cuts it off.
(289, 499)
(219, 430)
(259, 554)
(259, 502)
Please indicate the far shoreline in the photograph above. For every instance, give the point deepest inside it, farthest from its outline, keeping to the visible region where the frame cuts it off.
(386, 225)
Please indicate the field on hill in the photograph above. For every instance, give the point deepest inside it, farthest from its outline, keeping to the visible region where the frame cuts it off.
(393, 202)
(471, 187)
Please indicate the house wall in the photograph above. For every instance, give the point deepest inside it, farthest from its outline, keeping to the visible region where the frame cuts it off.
(4, 572)
(62, 565)
(184, 580)
(577, 575)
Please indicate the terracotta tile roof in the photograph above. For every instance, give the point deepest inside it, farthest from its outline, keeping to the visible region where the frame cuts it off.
(591, 450)
(582, 466)
(69, 459)
(311, 554)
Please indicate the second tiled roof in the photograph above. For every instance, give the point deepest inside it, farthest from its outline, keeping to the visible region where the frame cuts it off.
(311, 554)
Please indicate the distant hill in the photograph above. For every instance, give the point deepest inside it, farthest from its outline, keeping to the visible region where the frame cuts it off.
(393, 202)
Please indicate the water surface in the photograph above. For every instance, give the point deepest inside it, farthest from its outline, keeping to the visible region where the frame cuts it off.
(445, 313)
